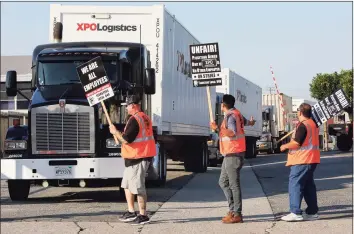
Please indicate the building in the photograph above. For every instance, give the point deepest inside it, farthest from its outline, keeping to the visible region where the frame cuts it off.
(22, 65)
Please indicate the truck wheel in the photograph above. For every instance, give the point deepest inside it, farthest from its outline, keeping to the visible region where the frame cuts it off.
(344, 143)
(162, 167)
(19, 189)
(197, 157)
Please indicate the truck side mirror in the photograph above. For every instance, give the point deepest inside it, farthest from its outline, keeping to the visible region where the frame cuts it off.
(150, 82)
(11, 83)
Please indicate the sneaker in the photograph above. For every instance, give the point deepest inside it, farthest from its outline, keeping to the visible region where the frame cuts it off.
(128, 217)
(141, 219)
(310, 217)
(292, 217)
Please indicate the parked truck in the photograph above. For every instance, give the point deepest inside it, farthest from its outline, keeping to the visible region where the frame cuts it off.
(145, 51)
(342, 128)
(274, 126)
(248, 100)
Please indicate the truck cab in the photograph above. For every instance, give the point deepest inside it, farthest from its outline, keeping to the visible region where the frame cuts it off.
(67, 141)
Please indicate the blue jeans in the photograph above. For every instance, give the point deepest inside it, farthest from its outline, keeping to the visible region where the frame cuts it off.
(302, 185)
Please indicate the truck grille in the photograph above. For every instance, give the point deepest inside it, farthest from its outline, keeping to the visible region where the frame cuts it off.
(62, 132)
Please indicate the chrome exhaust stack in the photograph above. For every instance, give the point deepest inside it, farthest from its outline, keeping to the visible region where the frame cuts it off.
(58, 32)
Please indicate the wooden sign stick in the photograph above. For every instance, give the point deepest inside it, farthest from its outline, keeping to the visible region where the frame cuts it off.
(286, 136)
(109, 120)
(209, 104)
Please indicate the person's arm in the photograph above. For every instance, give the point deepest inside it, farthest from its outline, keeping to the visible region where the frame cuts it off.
(299, 139)
(247, 122)
(131, 132)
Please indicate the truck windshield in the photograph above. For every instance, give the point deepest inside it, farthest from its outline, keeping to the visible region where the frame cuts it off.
(64, 72)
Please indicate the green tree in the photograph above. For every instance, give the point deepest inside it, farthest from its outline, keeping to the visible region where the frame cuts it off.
(346, 82)
(323, 85)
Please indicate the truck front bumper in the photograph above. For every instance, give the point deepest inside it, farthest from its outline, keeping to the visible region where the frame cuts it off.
(79, 168)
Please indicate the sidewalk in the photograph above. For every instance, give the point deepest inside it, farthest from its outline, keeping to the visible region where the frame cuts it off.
(197, 208)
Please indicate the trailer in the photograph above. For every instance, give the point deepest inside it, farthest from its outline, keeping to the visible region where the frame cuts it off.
(145, 51)
(276, 124)
(248, 100)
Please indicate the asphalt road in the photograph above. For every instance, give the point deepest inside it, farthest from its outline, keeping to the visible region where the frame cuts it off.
(86, 204)
(333, 179)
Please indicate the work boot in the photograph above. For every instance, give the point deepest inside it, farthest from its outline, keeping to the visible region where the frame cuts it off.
(234, 219)
(228, 216)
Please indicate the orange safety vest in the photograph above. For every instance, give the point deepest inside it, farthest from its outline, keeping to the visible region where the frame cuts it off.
(237, 143)
(309, 152)
(144, 144)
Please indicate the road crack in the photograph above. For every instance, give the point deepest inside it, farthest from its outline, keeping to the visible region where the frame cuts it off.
(81, 229)
(268, 230)
(109, 225)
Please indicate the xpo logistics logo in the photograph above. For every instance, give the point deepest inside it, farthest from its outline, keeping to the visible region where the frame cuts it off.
(105, 28)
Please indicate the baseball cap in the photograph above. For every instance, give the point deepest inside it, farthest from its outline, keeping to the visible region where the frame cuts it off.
(132, 99)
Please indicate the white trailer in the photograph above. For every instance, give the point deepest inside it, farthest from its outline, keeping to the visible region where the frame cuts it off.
(178, 110)
(248, 100)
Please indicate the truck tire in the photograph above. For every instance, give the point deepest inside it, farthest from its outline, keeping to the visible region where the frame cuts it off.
(162, 167)
(197, 157)
(344, 143)
(18, 189)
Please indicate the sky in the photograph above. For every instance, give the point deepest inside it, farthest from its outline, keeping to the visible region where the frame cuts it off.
(298, 39)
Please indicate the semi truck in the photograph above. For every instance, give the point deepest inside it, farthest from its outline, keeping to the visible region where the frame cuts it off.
(145, 51)
(274, 126)
(248, 99)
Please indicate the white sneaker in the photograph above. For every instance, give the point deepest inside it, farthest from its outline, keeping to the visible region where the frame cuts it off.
(292, 217)
(310, 217)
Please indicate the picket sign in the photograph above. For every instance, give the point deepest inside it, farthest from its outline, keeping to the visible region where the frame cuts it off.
(206, 68)
(96, 84)
(326, 109)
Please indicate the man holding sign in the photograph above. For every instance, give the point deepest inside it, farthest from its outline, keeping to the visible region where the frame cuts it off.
(233, 148)
(138, 148)
(303, 157)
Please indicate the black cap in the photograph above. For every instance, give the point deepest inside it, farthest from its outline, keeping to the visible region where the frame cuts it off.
(132, 99)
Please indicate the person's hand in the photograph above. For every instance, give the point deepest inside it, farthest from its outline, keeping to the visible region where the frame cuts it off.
(251, 121)
(213, 126)
(112, 129)
(283, 148)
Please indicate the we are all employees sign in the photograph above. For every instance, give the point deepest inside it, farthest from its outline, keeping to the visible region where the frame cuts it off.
(95, 81)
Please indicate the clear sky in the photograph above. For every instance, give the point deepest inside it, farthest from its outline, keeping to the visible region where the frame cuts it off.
(299, 39)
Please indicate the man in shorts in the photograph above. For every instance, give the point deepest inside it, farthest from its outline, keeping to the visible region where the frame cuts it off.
(138, 149)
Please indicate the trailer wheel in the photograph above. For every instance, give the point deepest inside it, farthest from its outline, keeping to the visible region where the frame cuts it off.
(197, 157)
(344, 143)
(19, 189)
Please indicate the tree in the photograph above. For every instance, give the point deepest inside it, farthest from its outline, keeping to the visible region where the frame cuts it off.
(346, 82)
(323, 85)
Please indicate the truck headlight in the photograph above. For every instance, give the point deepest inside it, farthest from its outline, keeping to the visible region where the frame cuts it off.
(15, 145)
(210, 143)
(110, 143)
